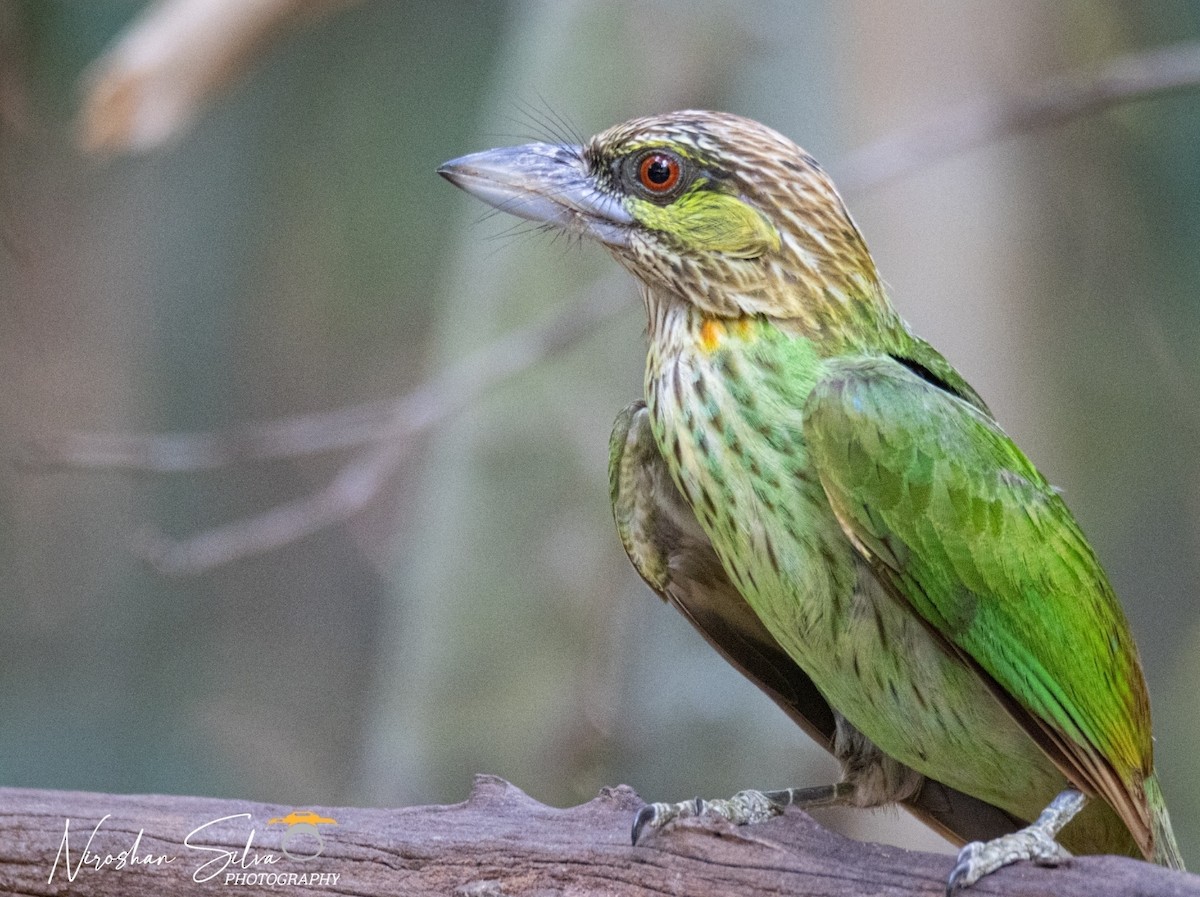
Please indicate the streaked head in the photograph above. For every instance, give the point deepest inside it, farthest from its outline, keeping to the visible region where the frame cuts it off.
(716, 209)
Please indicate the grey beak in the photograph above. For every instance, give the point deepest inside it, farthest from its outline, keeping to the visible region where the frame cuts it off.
(545, 183)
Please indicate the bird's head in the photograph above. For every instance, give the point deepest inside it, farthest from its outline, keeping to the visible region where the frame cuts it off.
(717, 210)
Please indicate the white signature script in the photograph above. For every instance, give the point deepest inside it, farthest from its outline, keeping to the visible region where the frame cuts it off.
(218, 858)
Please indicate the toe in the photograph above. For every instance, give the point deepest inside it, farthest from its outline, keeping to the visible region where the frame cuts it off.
(965, 872)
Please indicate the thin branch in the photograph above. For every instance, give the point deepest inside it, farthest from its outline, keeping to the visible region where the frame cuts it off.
(352, 426)
(387, 429)
(360, 480)
(290, 437)
(1055, 101)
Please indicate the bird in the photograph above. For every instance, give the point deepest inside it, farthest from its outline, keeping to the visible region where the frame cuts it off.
(837, 511)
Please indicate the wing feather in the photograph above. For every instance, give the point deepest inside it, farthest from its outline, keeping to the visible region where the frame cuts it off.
(956, 522)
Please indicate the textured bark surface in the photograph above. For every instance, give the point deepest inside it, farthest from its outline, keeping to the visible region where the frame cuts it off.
(498, 842)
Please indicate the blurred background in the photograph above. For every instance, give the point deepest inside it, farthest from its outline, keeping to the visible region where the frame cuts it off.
(216, 213)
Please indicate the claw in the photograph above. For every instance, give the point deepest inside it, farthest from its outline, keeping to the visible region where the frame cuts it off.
(1034, 842)
(644, 817)
(657, 816)
(978, 858)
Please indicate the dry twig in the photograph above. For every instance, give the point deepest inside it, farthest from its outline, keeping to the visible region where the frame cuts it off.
(152, 83)
(1053, 102)
(387, 430)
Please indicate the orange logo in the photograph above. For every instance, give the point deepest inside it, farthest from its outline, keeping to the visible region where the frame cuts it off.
(302, 817)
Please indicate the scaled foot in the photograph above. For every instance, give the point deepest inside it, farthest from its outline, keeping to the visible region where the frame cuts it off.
(1034, 842)
(744, 808)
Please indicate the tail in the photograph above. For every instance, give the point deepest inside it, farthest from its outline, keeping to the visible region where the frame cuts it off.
(1166, 851)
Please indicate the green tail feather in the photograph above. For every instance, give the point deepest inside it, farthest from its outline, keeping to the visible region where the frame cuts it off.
(1166, 851)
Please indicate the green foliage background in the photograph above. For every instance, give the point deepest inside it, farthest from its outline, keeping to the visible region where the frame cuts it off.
(295, 252)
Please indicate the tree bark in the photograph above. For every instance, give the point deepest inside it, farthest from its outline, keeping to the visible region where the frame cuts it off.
(498, 842)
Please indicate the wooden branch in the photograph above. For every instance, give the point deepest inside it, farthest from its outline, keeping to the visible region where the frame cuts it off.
(498, 842)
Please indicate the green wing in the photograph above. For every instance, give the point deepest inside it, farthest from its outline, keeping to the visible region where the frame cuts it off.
(676, 559)
(957, 522)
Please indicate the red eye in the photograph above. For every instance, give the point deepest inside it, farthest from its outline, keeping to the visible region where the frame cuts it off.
(659, 172)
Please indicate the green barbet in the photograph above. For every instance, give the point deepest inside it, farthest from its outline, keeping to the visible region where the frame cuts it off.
(836, 510)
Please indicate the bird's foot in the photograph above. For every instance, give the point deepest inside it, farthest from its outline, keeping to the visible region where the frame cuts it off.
(744, 808)
(1034, 842)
